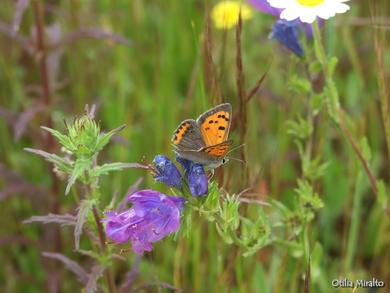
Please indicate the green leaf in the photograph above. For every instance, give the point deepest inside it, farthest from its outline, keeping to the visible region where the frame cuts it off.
(301, 128)
(91, 254)
(225, 234)
(315, 67)
(104, 139)
(62, 164)
(309, 200)
(317, 103)
(255, 235)
(382, 196)
(365, 147)
(63, 139)
(106, 168)
(82, 214)
(316, 257)
(299, 85)
(228, 211)
(332, 63)
(80, 166)
(314, 169)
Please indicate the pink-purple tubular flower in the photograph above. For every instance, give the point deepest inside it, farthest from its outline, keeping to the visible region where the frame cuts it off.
(152, 217)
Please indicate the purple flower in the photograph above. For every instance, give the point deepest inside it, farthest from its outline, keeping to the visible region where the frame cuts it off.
(152, 217)
(167, 171)
(197, 180)
(264, 6)
(286, 33)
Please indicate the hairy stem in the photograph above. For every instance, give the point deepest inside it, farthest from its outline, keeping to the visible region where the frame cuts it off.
(92, 192)
(379, 40)
(335, 110)
(103, 247)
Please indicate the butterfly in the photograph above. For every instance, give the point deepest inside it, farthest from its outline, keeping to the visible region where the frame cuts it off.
(204, 141)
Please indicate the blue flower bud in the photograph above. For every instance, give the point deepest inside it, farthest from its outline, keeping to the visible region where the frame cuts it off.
(167, 172)
(285, 32)
(197, 180)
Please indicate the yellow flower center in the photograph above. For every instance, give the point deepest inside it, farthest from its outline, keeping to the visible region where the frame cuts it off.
(225, 13)
(310, 2)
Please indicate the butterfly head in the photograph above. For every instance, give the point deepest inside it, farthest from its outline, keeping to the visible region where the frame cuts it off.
(225, 160)
(217, 163)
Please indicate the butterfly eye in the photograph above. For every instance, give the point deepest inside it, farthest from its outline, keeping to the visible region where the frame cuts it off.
(224, 161)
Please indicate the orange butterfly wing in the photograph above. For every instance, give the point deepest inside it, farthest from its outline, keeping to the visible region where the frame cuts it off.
(219, 150)
(215, 126)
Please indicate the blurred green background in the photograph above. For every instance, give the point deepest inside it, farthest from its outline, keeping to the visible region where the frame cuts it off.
(144, 63)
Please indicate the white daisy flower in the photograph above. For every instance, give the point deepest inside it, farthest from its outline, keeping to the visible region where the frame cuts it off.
(308, 10)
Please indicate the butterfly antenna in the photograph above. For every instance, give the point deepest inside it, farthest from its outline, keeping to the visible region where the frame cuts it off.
(237, 147)
(238, 160)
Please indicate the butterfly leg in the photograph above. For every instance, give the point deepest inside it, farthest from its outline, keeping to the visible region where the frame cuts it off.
(211, 175)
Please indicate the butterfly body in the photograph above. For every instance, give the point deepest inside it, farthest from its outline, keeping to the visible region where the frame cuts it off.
(204, 140)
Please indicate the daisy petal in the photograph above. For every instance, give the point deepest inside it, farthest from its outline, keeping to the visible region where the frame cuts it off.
(307, 11)
(309, 17)
(341, 8)
(289, 14)
(278, 3)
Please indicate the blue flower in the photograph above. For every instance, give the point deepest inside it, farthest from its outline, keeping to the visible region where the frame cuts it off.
(286, 34)
(152, 217)
(197, 180)
(167, 172)
(196, 177)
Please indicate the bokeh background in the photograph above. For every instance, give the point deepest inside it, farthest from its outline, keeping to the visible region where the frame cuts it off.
(147, 64)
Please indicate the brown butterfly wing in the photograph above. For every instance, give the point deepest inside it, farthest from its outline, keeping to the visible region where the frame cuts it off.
(187, 136)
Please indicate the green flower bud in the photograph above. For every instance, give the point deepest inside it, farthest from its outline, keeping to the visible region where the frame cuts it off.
(84, 134)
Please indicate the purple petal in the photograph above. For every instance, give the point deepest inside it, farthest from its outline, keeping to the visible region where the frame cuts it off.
(153, 216)
(265, 7)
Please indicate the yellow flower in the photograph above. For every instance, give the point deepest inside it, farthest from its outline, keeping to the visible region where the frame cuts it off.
(225, 14)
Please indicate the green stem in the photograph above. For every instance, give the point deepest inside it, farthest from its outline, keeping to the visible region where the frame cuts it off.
(103, 247)
(379, 41)
(93, 192)
(334, 102)
(334, 109)
(355, 222)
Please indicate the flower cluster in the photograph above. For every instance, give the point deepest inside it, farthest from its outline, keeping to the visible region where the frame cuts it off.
(155, 215)
(194, 174)
(152, 217)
